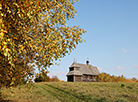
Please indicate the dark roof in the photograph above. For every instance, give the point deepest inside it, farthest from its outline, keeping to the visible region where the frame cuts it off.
(74, 73)
(81, 69)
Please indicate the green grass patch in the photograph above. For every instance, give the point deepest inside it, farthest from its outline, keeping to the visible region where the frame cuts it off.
(73, 92)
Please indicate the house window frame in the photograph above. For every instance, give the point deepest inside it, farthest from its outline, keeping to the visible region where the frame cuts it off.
(84, 77)
(72, 69)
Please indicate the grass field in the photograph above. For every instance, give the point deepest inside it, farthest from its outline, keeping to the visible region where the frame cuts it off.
(73, 92)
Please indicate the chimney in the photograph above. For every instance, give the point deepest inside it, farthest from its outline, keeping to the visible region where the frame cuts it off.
(87, 62)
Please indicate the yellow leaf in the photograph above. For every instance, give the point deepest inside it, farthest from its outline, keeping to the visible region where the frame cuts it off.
(0, 6)
(0, 20)
(2, 34)
(9, 40)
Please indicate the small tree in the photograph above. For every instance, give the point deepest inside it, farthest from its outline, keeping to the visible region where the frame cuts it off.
(42, 77)
(134, 79)
(55, 79)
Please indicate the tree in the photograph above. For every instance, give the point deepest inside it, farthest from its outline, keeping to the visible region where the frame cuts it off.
(134, 79)
(55, 79)
(18, 75)
(42, 77)
(35, 32)
(104, 77)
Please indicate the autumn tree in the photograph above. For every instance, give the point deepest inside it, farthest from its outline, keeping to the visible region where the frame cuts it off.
(34, 32)
(41, 77)
(55, 79)
(134, 79)
(104, 77)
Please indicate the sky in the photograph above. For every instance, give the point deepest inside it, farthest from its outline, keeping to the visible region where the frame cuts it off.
(111, 39)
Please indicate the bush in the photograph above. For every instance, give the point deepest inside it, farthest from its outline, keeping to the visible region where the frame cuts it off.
(104, 77)
(122, 85)
(55, 79)
(42, 77)
(129, 87)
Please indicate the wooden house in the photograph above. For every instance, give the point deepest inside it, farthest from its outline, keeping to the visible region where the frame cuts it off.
(82, 72)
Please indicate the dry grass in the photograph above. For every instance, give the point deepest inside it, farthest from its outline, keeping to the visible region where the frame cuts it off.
(74, 92)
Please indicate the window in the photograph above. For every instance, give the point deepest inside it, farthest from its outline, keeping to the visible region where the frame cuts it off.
(71, 69)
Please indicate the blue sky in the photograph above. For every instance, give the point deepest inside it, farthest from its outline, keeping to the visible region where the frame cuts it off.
(111, 38)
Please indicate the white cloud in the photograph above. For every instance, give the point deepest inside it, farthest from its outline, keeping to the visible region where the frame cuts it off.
(120, 68)
(58, 73)
(130, 49)
(135, 66)
(124, 50)
(100, 68)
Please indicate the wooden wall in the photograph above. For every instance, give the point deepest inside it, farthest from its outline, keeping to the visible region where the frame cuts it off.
(88, 78)
(78, 78)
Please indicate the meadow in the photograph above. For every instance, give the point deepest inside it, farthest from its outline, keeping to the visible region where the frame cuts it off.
(73, 92)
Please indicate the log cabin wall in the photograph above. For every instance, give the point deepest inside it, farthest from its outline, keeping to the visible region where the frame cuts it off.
(78, 78)
(88, 78)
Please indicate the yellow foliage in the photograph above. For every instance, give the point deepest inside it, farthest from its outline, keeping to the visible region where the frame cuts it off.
(35, 31)
(104, 77)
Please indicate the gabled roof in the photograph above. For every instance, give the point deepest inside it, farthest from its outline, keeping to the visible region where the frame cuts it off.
(74, 64)
(74, 73)
(83, 69)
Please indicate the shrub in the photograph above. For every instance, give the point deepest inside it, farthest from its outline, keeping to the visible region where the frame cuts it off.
(55, 79)
(122, 85)
(129, 87)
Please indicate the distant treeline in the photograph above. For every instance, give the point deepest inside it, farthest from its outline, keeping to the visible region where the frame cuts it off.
(104, 77)
(43, 77)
